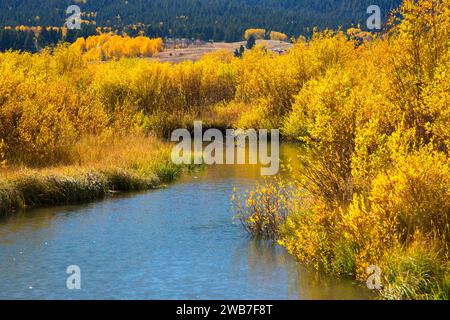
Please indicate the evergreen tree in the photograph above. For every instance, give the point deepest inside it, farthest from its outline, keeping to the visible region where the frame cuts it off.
(251, 42)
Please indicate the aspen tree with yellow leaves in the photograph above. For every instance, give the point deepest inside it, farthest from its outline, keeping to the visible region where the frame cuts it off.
(108, 46)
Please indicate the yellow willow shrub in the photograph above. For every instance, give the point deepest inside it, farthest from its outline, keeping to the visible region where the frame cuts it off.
(324, 117)
(264, 75)
(163, 88)
(3, 160)
(263, 210)
(253, 73)
(269, 81)
(436, 106)
(417, 46)
(13, 82)
(337, 240)
(79, 44)
(12, 73)
(330, 49)
(300, 60)
(111, 83)
(158, 88)
(18, 75)
(95, 54)
(67, 60)
(88, 116)
(376, 120)
(363, 236)
(163, 123)
(259, 115)
(150, 86)
(226, 115)
(416, 191)
(218, 77)
(361, 37)
(371, 154)
(408, 199)
(187, 76)
(47, 89)
(341, 240)
(306, 233)
(370, 235)
(45, 135)
(127, 118)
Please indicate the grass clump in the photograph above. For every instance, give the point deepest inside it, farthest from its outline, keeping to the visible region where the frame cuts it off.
(122, 180)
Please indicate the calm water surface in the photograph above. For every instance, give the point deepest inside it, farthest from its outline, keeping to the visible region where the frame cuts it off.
(174, 243)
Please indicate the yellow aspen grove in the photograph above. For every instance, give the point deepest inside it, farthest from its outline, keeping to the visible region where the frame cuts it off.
(274, 35)
(109, 46)
(257, 33)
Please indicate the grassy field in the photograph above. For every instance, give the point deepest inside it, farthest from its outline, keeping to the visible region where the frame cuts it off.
(194, 53)
(100, 168)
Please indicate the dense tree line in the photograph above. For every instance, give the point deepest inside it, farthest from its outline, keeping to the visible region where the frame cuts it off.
(36, 38)
(219, 20)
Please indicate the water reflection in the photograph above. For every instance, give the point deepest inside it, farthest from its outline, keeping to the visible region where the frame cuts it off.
(268, 259)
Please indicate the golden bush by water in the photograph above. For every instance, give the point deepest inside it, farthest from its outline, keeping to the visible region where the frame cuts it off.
(375, 165)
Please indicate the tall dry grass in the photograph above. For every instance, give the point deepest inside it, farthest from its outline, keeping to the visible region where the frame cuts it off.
(99, 167)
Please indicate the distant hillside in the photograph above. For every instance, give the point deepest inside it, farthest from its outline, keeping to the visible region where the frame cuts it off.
(204, 19)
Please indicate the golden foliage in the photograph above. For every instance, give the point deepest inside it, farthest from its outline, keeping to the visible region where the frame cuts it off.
(109, 46)
(3, 160)
(275, 35)
(257, 33)
(263, 210)
(372, 114)
(371, 111)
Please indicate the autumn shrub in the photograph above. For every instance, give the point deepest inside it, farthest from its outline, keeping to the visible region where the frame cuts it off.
(218, 82)
(374, 160)
(267, 82)
(44, 135)
(3, 160)
(263, 210)
(324, 118)
(162, 96)
(418, 53)
(225, 114)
